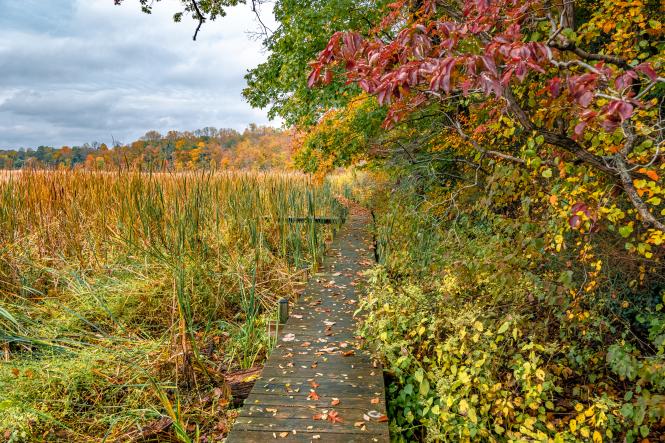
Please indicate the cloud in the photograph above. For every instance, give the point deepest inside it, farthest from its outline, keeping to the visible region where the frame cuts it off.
(76, 71)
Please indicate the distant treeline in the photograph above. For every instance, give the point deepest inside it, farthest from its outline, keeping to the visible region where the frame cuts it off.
(258, 147)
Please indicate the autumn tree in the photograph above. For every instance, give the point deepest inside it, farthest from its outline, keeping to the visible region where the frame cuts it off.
(560, 102)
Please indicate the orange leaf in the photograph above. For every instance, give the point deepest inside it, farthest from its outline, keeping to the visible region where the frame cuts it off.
(334, 417)
(653, 175)
(313, 395)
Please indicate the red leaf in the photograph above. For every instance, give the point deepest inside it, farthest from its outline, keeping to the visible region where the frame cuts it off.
(313, 77)
(647, 69)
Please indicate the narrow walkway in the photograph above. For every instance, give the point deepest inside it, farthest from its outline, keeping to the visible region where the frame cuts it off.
(317, 385)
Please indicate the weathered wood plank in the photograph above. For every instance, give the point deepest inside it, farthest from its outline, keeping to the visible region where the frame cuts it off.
(318, 385)
(247, 436)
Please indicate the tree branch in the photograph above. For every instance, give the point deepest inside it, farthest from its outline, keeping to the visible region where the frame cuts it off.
(627, 181)
(571, 47)
(200, 17)
(266, 30)
(560, 140)
(489, 152)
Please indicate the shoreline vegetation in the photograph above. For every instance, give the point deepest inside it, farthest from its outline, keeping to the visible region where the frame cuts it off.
(257, 148)
(129, 298)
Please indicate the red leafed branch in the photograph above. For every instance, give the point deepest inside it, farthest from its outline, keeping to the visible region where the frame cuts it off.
(482, 48)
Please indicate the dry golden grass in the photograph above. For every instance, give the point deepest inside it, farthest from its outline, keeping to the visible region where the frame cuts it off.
(123, 294)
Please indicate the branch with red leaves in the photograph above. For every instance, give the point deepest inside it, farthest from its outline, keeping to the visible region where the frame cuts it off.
(484, 48)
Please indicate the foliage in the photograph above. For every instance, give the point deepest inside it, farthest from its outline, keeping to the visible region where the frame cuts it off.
(484, 341)
(340, 138)
(257, 148)
(131, 293)
(304, 29)
(589, 122)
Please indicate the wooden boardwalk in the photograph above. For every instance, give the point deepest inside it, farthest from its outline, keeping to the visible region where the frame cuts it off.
(317, 385)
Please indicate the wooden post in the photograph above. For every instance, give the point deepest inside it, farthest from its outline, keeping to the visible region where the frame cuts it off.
(283, 310)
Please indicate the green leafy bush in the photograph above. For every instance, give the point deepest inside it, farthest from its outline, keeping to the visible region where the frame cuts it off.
(474, 324)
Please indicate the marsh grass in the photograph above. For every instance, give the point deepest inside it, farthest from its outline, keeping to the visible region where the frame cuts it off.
(126, 297)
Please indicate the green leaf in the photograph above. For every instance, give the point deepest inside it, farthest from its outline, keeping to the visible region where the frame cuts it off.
(627, 410)
(625, 231)
(424, 387)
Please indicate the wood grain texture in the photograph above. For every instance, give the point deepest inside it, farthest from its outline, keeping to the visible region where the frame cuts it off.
(318, 384)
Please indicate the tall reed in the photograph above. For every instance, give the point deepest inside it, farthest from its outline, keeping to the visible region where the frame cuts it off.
(158, 279)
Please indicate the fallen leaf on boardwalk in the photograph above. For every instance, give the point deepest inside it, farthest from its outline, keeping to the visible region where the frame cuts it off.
(283, 434)
(382, 419)
(334, 402)
(316, 437)
(314, 384)
(349, 353)
(289, 355)
(305, 344)
(375, 401)
(337, 274)
(314, 365)
(328, 349)
(343, 344)
(273, 410)
(298, 316)
(334, 417)
(319, 417)
(328, 323)
(289, 337)
(313, 395)
(359, 424)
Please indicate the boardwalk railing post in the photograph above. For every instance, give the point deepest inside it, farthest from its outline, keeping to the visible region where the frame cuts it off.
(283, 310)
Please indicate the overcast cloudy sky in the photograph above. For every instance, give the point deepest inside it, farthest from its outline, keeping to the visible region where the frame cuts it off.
(76, 71)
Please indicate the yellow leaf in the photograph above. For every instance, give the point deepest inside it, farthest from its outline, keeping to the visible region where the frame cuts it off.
(472, 416)
(479, 326)
(573, 425)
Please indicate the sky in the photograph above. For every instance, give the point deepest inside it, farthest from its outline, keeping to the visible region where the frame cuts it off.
(77, 71)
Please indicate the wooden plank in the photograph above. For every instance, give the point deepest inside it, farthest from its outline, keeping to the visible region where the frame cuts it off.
(319, 220)
(247, 436)
(288, 424)
(318, 385)
(266, 400)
